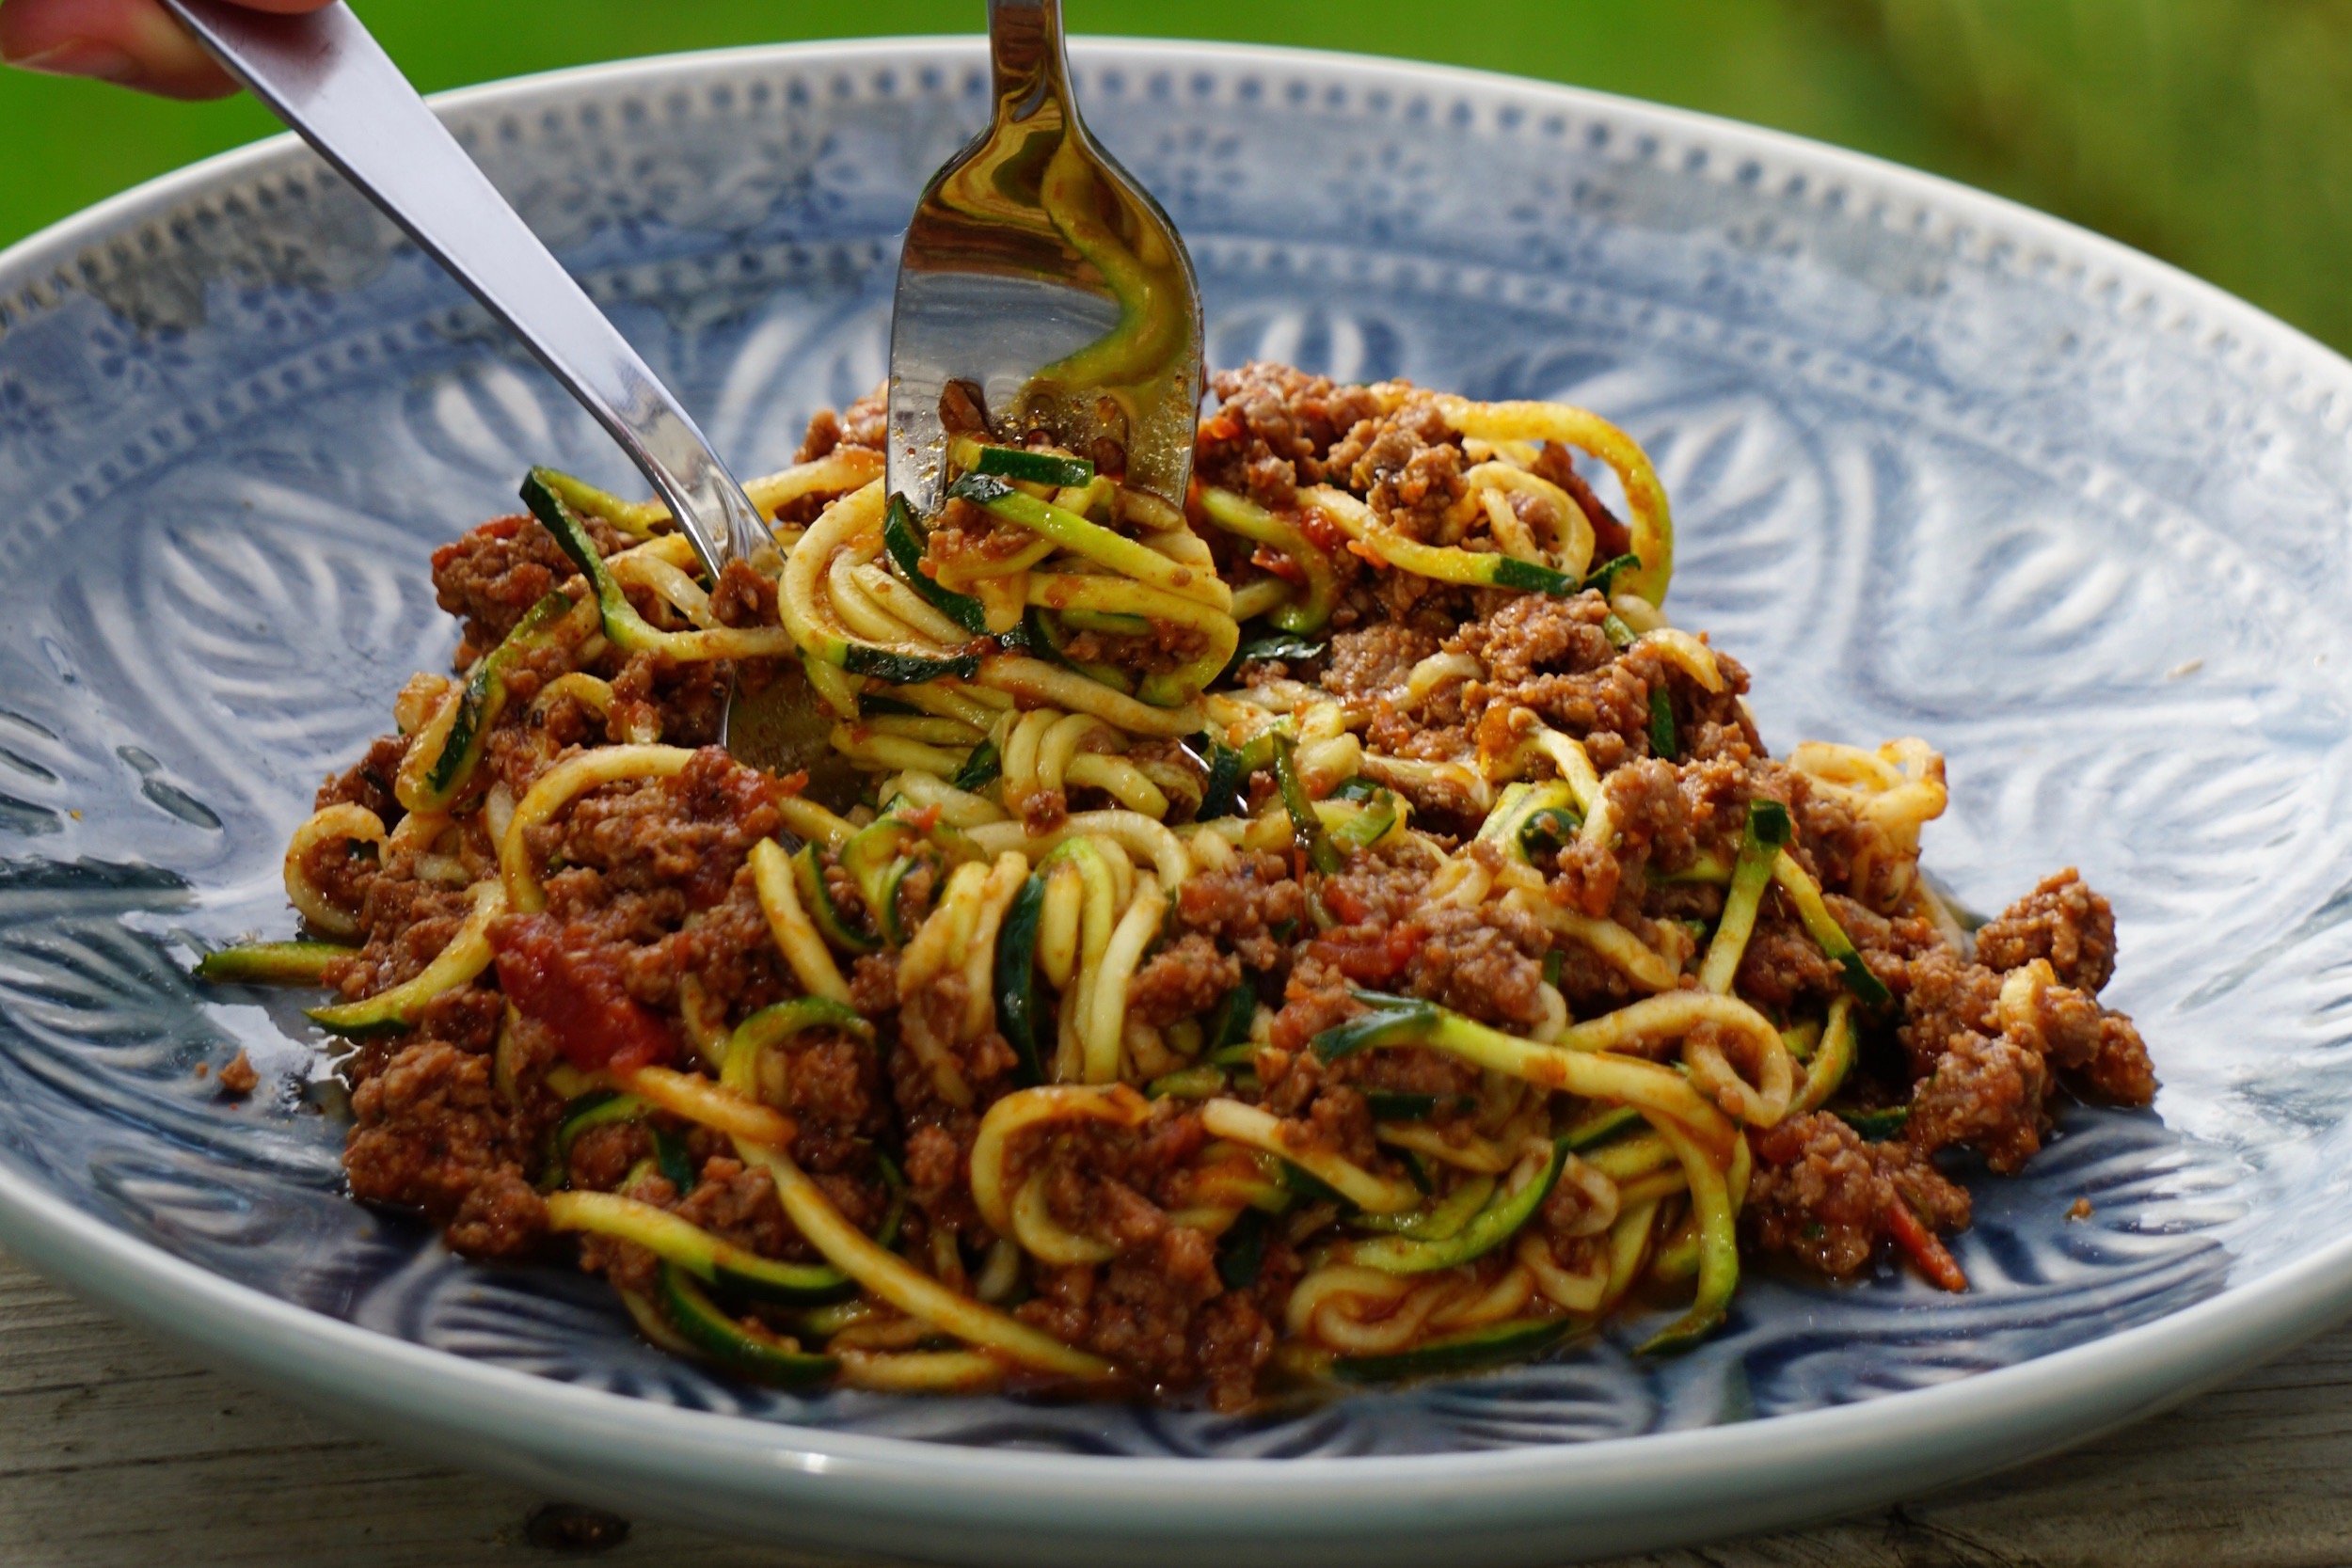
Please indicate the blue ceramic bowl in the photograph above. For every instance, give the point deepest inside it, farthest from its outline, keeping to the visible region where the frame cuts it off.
(1942, 468)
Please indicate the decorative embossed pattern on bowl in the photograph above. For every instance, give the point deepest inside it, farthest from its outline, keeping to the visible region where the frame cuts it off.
(2076, 521)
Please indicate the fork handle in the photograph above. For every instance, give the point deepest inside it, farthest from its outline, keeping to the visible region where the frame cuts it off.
(1026, 55)
(326, 76)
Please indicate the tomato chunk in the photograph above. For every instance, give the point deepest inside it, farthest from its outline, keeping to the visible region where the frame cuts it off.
(1369, 957)
(556, 976)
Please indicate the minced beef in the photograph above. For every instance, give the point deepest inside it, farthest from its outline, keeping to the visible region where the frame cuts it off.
(1375, 659)
(368, 782)
(1820, 1194)
(1946, 997)
(502, 1216)
(430, 1129)
(2120, 1071)
(1539, 634)
(239, 1079)
(1984, 1070)
(1815, 1194)
(864, 423)
(1984, 1092)
(1184, 979)
(1485, 962)
(1783, 965)
(2060, 920)
(1272, 428)
(1243, 909)
(489, 577)
(1408, 465)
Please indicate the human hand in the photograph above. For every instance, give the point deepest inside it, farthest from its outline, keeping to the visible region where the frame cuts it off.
(134, 43)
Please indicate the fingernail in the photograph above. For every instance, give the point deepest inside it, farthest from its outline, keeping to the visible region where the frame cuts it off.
(102, 62)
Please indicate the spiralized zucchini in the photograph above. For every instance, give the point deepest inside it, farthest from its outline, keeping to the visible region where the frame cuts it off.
(1060, 781)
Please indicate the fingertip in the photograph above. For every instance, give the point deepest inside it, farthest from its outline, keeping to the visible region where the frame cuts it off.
(176, 65)
(133, 43)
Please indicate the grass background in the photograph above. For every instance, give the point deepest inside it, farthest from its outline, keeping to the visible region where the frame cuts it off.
(2214, 132)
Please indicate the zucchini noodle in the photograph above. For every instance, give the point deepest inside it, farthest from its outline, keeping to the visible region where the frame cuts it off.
(558, 787)
(337, 824)
(891, 1278)
(1352, 907)
(1652, 523)
(467, 955)
(1131, 831)
(1247, 1124)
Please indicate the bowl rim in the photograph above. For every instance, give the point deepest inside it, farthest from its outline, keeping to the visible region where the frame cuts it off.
(1971, 1425)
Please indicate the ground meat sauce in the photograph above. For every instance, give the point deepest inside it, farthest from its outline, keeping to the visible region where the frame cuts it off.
(652, 939)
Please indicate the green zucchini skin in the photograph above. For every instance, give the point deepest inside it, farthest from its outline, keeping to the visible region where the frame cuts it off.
(1865, 986)
(1369, 825)
(701, 1324)
(809, 883)
(894, 912)
(1548, 828)
(980, 489)
(1831, 937)
(1203, 1081)
(671, 1157)
(1322, 854)
(1285, 645)
(1049, 636)
(894, 1216)
(1034, 468)
(1241, 1251)
(907, 669)
(1440, 1221)
(1496, 1223)
(1510, 572)
(1220, 796)
(788, 1284)
(1768, 826)
(359, 1024)
(775, 1026)
(1877, 1126)
(1594, 1131)
(1230, 768)
(1602, 579)
(868, 857)
(1391, 1018)
(1226, 1041)
(1663, 739)
(623, 626)
(1018, 1015)
(1461, 1353)
(1312, 1188)
(1392, 1105)
(483, 699)
(982, 767)
(904, 537)
(269, 963)
(596, 1108)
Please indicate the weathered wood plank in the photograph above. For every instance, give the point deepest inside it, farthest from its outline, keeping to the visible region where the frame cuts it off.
(115, 1450)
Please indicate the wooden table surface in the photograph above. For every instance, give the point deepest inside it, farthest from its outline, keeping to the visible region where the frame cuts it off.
(118, 1452)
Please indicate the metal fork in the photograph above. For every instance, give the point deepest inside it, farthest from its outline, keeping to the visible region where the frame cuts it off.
(1041, 288)
(1109, 361)
(326, 77)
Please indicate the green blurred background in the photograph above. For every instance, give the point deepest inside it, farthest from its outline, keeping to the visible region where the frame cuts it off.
(2214, 132)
